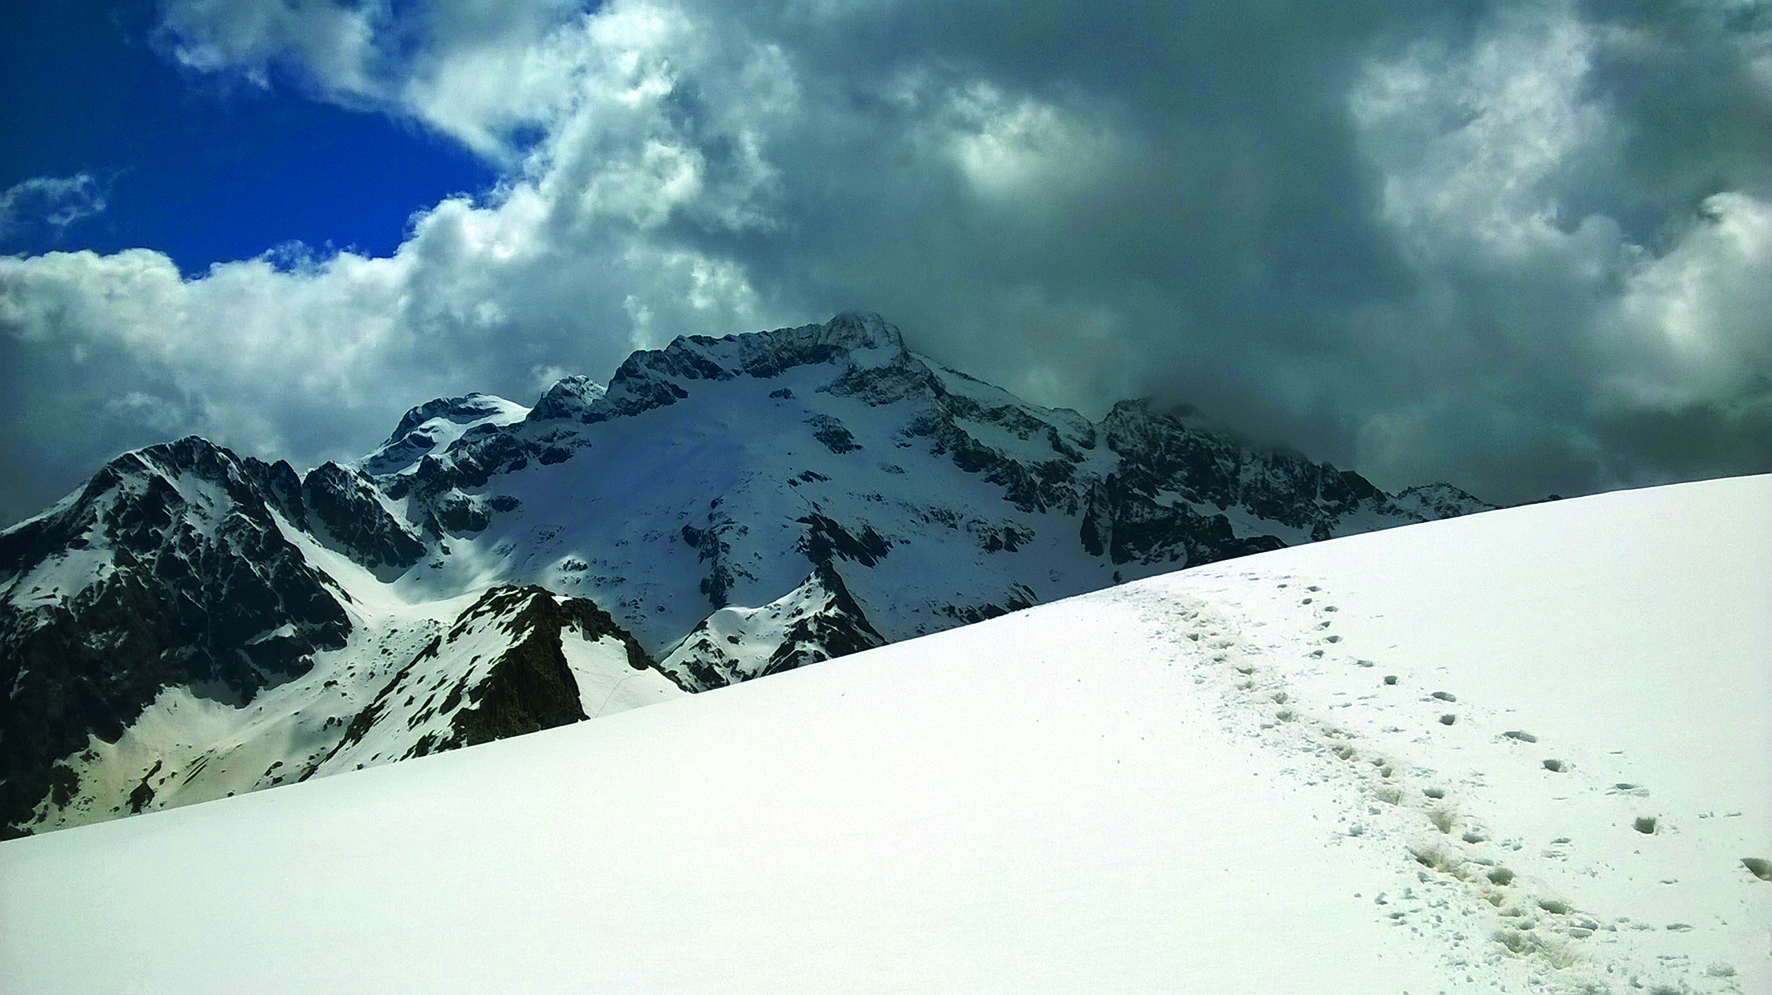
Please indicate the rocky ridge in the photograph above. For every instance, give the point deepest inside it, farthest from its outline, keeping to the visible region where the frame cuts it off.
(729, 507)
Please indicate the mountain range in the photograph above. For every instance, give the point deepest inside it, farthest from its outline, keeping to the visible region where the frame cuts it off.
(194, 623)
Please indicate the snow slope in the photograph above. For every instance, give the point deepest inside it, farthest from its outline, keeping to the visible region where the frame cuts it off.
(1206, 781)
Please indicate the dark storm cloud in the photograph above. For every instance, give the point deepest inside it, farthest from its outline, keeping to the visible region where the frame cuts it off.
(1690, 83)
(1685, 444)
(1227, 238)
(1520, 247)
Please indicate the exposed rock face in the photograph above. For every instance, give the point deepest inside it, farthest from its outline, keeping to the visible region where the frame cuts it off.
(168, 568)
(501, 669)
(493, 569)
(346, 505)
(1164, 452)
(571, 397)
(816, 621)
(1125, 521)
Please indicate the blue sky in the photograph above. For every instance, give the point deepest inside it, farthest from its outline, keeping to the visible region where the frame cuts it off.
(1523, 248)
(205, 169)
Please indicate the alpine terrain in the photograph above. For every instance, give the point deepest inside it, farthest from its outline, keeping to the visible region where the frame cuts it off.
(1515, 752)
(193, 624)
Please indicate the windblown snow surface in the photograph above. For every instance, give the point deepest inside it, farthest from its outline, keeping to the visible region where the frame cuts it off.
(1520, 751)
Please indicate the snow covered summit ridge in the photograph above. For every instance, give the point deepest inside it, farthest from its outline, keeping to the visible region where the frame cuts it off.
(655, 377)
(194, 623)
(434, 426)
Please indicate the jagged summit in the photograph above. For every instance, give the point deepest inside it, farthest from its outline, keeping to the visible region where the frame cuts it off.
(653, 378)
(862, 330)
(737, 506)
(757, 353)
(1441, 500)
(467, 408)
(435, 425)
(133, 497)
(569, 397)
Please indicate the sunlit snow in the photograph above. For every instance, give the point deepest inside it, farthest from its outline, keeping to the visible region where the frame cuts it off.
(1521, 751)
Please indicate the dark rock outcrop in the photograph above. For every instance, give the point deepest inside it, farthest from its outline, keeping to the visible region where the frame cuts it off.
(168, 569)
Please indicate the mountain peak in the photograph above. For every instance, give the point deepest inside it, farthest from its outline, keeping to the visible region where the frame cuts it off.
(435, 425)
(569, 397)
(918, 498)
(470, 407)
(763, 354)
(652, 378)
(862, 330)
(1440, 500)
(1176, 413)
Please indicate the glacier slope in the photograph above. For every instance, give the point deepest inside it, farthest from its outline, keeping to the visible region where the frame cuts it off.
(1205, 781)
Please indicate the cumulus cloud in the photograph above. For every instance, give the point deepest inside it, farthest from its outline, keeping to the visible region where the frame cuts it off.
(332, 45)
(1517, 247)
(1580, 295)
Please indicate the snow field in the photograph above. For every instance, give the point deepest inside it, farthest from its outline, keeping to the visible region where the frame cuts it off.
(905, 820)
(1577, 739)
(1201, 782)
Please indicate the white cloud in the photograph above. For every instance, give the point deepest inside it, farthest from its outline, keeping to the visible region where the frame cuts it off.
(1694, 325)
(579, 238)
(1472, 143)
(57, 201)
(1022, 149)
(332, 43)
(1500, 162)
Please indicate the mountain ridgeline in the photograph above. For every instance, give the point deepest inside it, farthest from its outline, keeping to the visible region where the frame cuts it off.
(192, 623)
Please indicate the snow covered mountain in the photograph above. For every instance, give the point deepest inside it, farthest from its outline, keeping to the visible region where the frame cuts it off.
(193, 624)
(1516, 752)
